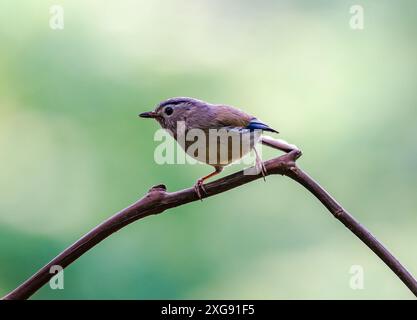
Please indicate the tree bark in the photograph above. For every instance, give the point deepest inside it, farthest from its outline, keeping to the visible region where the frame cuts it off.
(157, 200)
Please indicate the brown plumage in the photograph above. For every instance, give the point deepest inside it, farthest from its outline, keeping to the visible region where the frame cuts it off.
(197, 114)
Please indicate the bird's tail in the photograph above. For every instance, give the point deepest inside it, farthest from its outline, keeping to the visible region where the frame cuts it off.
(278, 144)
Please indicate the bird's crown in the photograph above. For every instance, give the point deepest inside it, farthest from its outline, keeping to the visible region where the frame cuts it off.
(180, 100)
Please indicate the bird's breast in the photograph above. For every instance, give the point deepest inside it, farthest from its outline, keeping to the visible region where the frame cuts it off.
(218, 147)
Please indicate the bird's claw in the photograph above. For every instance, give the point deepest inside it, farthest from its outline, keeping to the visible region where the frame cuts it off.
(264, 172)
(198, 187)
(261, 167)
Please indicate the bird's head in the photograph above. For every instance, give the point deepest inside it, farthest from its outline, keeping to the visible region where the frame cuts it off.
(169, 112)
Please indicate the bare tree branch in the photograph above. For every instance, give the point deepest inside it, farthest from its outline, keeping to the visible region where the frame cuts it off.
(158, 200)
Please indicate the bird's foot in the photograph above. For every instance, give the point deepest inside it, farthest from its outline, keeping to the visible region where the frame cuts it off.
(198, 187)
(260, 166)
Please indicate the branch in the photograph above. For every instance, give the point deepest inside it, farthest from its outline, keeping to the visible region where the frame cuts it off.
(157, 200)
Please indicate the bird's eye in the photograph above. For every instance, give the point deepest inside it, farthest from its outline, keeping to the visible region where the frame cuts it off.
(168, 111)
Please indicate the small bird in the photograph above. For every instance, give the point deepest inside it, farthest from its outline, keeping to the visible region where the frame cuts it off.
(198, 114)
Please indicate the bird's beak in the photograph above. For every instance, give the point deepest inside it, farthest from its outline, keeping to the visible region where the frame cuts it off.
(150, 114)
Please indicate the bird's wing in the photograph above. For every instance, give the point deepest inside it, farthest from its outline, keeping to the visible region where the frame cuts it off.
(256, 124)
(226, 116)
(230, 117)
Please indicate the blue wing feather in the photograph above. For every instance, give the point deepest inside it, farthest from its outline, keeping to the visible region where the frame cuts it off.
(256, 124)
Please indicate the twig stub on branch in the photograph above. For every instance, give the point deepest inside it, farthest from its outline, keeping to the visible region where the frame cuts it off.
(158, 200)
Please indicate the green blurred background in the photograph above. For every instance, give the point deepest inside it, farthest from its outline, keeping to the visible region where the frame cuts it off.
(73, 151)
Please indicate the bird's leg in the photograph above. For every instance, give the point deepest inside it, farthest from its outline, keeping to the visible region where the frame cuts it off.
(199, 184)
(260, 164)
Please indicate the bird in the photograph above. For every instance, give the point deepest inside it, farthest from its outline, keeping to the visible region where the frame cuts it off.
(195, 114)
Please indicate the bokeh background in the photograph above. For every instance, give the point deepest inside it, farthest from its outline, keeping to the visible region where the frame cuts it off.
(73, 151)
